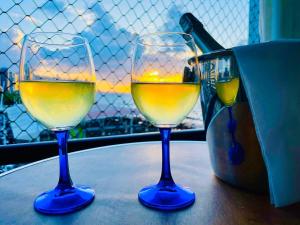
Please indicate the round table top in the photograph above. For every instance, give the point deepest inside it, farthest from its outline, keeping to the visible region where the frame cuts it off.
(118, 172)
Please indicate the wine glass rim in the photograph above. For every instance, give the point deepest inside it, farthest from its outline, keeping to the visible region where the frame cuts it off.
(30, 37)
(183, 43)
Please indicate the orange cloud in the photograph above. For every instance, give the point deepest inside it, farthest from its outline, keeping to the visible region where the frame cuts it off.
(110, 87)
(105, 86)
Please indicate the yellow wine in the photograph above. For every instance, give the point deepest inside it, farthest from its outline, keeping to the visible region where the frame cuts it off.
(227, 90)
(165, 104)
(57, 104)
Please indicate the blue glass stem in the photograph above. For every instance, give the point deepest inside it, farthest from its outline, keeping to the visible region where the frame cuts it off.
(235, 153)
(65, 181)
(166, 195)
(232, 126)
(65, 197)
(166, 176)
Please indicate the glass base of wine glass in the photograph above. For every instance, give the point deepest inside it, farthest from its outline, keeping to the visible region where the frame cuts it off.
(167, 198)
(62, 201)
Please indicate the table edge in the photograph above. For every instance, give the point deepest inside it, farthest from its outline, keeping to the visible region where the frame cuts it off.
(87, 150)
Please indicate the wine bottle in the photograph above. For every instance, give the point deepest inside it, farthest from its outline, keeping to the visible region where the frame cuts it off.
(205, 42)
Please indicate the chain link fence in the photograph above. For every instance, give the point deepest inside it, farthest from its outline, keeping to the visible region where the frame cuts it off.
(110, 27)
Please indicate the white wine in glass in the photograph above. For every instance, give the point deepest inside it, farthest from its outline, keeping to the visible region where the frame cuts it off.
(227, 89)
(72, 99)
(165, 104)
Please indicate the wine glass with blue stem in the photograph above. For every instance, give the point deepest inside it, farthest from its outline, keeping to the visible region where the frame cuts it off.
(165, 88)
(57, 87)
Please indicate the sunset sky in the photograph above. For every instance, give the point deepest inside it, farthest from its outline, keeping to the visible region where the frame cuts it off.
(111, 28)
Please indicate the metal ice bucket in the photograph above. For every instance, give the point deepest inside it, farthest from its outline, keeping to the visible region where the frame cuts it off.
(250, 172)
(226, 127)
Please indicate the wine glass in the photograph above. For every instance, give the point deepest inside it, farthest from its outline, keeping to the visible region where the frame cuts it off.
(227, 86)
(227, 81)
(165, 88)
(57, 87)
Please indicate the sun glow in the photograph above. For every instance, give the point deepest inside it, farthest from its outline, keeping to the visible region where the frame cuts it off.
(157, 76)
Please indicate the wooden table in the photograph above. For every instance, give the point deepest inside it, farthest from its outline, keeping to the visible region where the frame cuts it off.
(118, 172)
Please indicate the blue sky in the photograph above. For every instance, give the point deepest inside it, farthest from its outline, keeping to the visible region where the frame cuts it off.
(110, 26)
